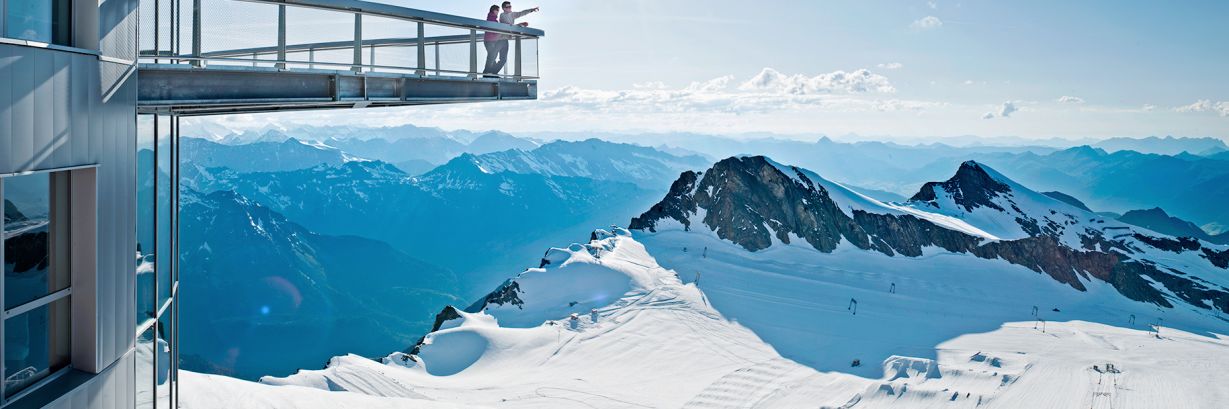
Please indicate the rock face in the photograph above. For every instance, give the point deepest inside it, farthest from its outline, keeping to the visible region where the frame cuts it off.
(755, 203)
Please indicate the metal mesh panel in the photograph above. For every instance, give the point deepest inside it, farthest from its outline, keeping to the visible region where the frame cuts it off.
(230, 24)
(147, 27)
(110, 75)
(118, 29)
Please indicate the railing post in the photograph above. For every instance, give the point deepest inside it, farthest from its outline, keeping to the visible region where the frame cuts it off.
(196, 34)
(281, 36)
(473, 53)
(358, 43)
(437, 58)
(422, 51)
(311, 58)
(516, 72)
(371, 57)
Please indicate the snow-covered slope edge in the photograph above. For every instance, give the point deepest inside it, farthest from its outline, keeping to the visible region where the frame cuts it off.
(641, 337)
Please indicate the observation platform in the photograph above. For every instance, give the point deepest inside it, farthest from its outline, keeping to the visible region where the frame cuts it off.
(206, 57)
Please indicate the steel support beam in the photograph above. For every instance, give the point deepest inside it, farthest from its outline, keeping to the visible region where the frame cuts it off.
(192, 91)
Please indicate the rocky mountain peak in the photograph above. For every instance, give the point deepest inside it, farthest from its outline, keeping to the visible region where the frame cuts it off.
(970, 188)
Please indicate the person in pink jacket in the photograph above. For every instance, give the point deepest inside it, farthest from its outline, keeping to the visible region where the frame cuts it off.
(500, 42)
(491, 41)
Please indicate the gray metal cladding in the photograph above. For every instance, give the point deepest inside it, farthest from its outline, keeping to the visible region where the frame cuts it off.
(53, 115)
(111, 389)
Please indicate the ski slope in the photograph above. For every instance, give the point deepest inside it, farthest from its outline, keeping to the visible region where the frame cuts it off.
(716, 326)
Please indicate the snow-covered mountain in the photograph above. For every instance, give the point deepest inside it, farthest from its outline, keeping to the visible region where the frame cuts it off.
(755, 284)
(751, 201)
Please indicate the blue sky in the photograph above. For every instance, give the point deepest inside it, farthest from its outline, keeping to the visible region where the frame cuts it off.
(872, 68)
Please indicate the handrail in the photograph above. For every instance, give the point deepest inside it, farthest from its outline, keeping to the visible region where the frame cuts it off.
(406, 13)
(365, 51)
(339, 45)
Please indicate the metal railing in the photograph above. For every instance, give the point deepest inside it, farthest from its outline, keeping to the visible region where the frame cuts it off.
(353, 35)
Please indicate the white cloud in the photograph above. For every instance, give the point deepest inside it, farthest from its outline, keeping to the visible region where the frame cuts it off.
(968, 82)
(649, 85)
(891, 66)
(1148, 107)
(857, 81)
(1206, 105)
(926, 23)
(1067, 99)
(1004, 111)
(932, 5)
(715, 84)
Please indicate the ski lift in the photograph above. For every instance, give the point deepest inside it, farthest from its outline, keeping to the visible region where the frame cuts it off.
(892, 289)
(856, 363)
(853, 306)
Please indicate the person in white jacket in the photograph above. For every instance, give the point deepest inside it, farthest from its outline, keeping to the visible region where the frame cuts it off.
(501, 46)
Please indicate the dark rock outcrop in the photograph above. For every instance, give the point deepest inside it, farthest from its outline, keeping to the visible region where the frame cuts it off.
(677, 204)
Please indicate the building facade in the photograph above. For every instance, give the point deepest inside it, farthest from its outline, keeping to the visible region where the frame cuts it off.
(68, 181)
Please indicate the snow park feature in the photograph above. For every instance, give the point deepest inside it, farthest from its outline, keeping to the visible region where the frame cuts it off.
(978, 263)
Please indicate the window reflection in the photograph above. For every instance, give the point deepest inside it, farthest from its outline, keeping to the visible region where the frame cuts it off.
(164, 361)
(164, 210)
(46, 21)
(145, 218)
(33, 238)
(36, 344)
(145, 352)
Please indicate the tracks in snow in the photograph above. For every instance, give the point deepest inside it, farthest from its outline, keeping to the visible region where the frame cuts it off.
(744, 387)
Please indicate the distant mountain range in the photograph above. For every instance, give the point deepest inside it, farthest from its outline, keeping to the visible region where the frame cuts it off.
(498, 201)
(1165, 146)
(270, 297)
(287, 154)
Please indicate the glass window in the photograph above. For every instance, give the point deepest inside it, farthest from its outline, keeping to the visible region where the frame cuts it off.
(36, 268)
(36, 344)
(47, 21)
(145, 218)
(145, 369)
(164, 213)
(164, 379)
(32, 238)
